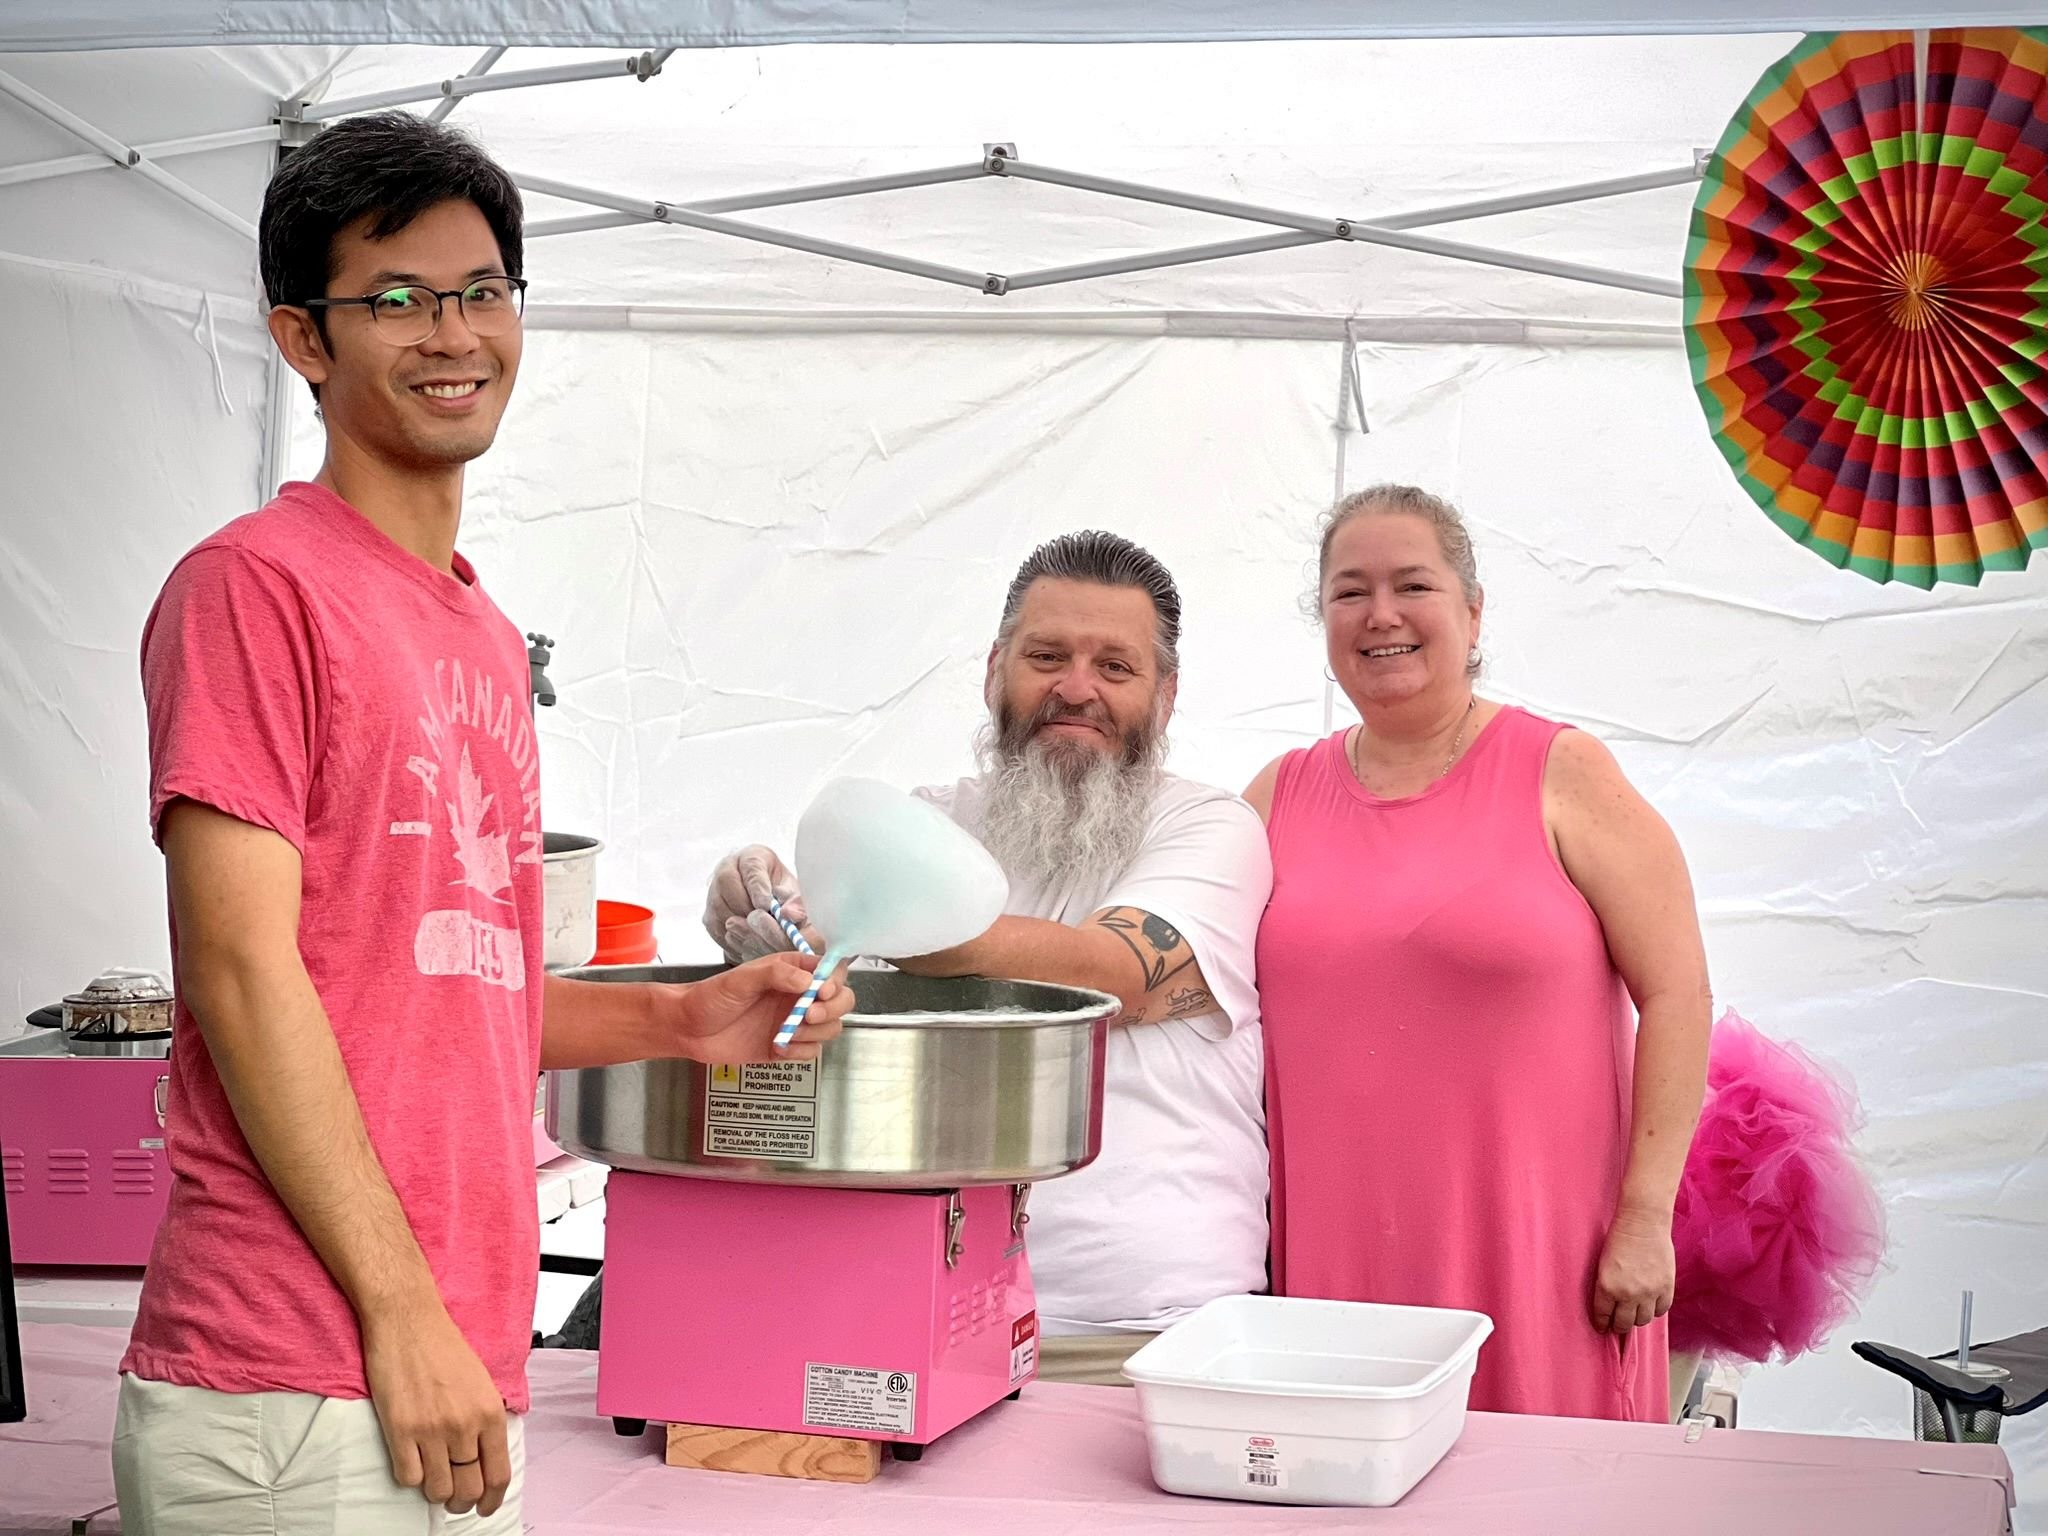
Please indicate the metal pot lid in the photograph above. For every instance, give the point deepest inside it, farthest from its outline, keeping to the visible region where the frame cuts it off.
(121, 986)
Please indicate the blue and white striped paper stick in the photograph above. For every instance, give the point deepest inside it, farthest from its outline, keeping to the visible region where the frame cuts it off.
(825, 969)
(796, 934)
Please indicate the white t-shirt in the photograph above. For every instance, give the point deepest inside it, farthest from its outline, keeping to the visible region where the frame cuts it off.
(1173, 1213)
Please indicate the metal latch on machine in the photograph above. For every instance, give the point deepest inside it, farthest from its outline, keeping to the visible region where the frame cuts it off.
(1020, 1196)
(956, 1222)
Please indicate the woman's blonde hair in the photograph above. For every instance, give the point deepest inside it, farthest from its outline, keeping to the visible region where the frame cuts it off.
(1453, 538)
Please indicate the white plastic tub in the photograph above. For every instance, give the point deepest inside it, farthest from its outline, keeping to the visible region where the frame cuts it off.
(1286, 1400)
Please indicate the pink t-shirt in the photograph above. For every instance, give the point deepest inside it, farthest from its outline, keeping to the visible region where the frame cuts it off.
(305, 674)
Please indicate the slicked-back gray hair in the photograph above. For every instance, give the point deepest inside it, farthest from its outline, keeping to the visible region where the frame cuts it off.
(1108, 560)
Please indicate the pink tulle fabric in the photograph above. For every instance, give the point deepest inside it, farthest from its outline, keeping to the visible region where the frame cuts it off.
(1777, 1227)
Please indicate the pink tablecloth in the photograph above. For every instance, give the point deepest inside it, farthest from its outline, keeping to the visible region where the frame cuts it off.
(1070, 1461)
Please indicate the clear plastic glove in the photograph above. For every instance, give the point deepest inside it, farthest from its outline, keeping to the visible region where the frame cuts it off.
(737, 911)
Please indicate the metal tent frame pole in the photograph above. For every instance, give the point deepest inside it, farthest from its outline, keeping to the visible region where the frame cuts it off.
(277, 423)
(656, 212)
(1548, 197)
(638, 211)
(617, 210)
(483, 66)
(641, 66)
(1326, 227)
(1395, 230)
(127, 156)
(160, 149)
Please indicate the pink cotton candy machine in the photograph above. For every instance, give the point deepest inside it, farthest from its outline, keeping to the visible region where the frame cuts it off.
(82, 1101)
(836, 1248)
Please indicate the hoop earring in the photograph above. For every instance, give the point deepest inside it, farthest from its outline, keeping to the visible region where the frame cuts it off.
(1331, 676)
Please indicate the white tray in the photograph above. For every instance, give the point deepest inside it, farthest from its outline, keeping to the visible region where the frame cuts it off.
(1286, 1400)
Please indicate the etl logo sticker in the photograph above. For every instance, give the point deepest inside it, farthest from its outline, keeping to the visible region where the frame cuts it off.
(1024, 1348)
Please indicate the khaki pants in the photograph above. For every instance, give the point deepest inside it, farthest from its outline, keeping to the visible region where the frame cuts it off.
(190, 1462)
(1089, 1359)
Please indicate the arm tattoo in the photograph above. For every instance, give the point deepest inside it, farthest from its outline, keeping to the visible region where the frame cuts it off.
(1160, 949)
(1189, 1003)
(1160, 934)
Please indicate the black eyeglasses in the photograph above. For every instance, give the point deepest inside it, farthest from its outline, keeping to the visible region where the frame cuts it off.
(407, 316)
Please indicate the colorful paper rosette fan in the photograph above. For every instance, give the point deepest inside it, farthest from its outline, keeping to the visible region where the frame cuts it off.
(1866, 295)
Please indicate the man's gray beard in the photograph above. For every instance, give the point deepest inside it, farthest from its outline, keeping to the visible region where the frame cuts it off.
(1056, 812)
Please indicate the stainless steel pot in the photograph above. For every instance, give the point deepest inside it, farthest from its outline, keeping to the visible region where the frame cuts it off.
(568, 905)
(936, 1084)
(122, 1012)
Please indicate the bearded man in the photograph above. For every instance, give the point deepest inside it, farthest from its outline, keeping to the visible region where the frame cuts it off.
(1129, 880)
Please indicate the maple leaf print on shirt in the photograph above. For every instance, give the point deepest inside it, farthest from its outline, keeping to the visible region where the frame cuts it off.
(486, 865)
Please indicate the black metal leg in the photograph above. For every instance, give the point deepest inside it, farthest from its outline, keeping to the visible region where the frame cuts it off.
(904, 1452)
(628, 1427)
(1950, 1424)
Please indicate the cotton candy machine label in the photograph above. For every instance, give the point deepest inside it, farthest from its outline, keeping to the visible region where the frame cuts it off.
(762, 1109)
(847, 1397)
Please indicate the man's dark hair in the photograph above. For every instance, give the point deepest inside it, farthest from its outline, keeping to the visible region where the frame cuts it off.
(1112, 561)
(389, 167)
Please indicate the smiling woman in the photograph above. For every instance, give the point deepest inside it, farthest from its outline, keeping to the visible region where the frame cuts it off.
(1466, 899)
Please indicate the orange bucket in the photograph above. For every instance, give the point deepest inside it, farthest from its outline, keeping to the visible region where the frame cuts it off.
(625, 934)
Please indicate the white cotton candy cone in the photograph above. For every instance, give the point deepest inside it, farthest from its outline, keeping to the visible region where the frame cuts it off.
(889, 875)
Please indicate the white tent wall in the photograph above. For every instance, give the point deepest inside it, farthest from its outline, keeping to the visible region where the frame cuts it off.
(118, 453)
(768, 505)
(133, 362)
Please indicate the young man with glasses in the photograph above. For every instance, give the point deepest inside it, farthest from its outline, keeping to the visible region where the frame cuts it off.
(345, 783)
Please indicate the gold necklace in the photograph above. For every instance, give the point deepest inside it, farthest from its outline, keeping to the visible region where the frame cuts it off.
(1450, 762)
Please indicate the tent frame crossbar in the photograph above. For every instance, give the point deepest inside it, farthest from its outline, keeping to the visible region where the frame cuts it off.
(641, 66)
(160, 149)
(127, 156)
(640, 209)
(1394, 230)
(486, 61)
(297, 117)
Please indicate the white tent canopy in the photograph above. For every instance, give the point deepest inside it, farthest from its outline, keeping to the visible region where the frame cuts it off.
(767, 500)
(62, 24)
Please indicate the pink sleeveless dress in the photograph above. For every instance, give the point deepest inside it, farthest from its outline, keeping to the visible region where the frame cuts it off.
(1449, 1054)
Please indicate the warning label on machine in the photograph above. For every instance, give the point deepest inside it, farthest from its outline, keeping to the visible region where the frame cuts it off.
(762, 1109)
(1023, 1348)
(847, 1397)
